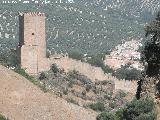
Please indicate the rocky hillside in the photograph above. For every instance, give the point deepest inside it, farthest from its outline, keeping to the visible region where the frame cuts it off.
(21, 100)
(79, 89)
(89, 26)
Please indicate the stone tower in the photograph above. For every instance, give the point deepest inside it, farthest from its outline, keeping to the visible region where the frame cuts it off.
(32, 43)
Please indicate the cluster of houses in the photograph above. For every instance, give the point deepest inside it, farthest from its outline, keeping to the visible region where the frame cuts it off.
(125, 54)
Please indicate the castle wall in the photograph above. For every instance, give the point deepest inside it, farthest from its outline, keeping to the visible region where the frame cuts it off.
(29, 59)
(94, 73)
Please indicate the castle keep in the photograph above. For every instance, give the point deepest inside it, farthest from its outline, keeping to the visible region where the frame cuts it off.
(32, 53)
(32, 43)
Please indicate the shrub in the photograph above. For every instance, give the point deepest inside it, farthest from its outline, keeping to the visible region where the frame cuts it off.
(54, 68)
(105, 82)
(105, 116)
(84, 92)
(23, 73)
(48, 54)
(88, 87)
(71, 83)
(107, 69)
(127, 74)
(3, 118)
(108, 96)
(65, 91)
(112, 104)
(149, 116)
(97, 106)
(76, 75)
(135, 110)
(75, 55)
(119, 115)
(121, 94)
(97, 61)
(42, 76)
(138, 109)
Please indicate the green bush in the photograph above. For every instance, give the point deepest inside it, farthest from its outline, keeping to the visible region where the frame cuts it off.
(119, 115)
(42, 76)
(138, 109)
(97, 106)
(76, 55)
(97, 61)
(135, 110)
(3, 118)
(65, 91)
(108, 96)
(127, 74)
(54, 68)
(105, 116)
(149, 116)
(71, 83)
(48, 54)
(107, 69)
(112, 104)
(23, 73)
(84, 92)
(88, 87)
(121, 94)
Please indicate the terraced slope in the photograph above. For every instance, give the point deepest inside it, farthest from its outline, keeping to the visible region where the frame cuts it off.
(21, 100)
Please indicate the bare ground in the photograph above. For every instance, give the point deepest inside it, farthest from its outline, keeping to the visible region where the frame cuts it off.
(21, 100)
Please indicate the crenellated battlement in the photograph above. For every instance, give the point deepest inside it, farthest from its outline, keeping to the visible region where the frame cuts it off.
(32, 14)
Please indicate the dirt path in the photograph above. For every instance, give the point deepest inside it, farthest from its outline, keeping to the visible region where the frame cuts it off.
(21, 100)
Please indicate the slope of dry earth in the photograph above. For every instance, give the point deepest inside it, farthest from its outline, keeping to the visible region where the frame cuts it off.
(21, 100)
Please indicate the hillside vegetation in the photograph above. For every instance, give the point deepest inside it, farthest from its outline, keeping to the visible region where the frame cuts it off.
(21, 100)
(87, 26)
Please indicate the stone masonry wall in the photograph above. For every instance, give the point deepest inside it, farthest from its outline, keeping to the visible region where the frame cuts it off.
(33, 43)
(94, 73)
